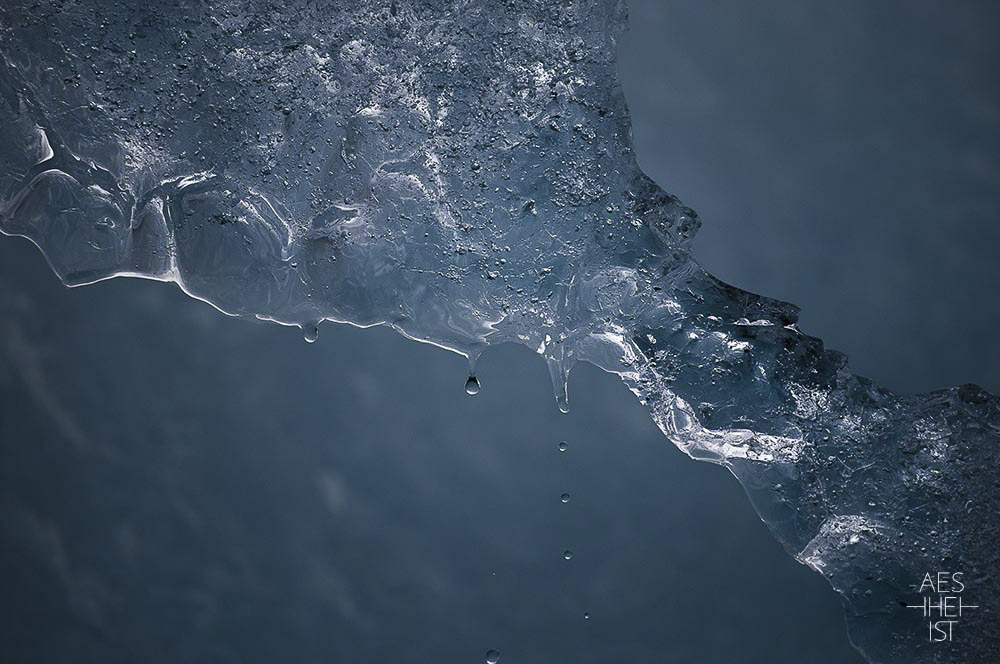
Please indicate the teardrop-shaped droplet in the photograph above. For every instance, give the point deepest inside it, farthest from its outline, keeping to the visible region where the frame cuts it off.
(562, 402)
(310, 332)
(563, 446)
(567, 554)
(564, 497)
(472, 385)
(586, 616)
(492, 656)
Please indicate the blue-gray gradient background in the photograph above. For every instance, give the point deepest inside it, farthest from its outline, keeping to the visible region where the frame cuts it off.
(178, 486)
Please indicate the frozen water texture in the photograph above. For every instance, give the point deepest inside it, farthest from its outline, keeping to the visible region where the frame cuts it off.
(464, 173)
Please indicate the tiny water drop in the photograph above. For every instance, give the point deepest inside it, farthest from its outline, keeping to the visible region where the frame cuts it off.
(310, 332)
(567, 554)
(492, 656)
(472, 385)
(563, 446)
(564, 497)
(586, 616)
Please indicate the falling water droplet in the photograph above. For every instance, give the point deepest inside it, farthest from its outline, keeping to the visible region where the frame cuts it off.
(567, 554)
(586, 616)
(564, 497)
(492, 656)
(563, 446)
(310, 332)
(472, 385)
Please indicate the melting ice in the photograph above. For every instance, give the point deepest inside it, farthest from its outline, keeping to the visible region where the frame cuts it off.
(463, 172)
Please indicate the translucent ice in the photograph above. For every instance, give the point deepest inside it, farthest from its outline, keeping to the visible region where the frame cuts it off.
(463, 172)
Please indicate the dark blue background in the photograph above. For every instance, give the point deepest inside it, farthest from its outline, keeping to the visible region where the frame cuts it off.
(844, 156)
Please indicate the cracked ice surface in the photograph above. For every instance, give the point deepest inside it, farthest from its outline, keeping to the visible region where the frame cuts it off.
(463, 172)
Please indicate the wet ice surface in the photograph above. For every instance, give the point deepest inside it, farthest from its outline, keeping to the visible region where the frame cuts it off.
(465, 175)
